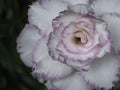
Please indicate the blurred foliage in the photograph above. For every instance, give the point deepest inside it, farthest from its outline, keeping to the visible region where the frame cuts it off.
(14, 75)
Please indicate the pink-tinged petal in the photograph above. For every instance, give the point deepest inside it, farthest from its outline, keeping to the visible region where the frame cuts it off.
(73, 14)
(74, 2)
(25, 43)
(83, 9)
(104, 38)
(61, 42)
(113, 21)
(72, 82)
(40, 50)
(48, 69)
(42, 14)
(103, 72)
(66, 18)
(77, 65)
(105, 6)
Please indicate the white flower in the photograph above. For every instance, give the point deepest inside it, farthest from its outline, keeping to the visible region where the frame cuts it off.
(72, 44)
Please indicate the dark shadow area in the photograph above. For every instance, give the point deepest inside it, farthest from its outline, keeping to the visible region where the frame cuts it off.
(14, 75)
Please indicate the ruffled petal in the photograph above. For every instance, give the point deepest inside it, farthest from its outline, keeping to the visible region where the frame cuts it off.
(73, 2)
(25, 43)
(46, 68)
(65, 17)
(103, 72)
(42, 14)
(72, 82)
(113, 21)
(105, 6)
(83, 9)
(63, 49)
(40, 50)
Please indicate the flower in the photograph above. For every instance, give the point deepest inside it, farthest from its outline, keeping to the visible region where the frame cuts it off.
(72, 45)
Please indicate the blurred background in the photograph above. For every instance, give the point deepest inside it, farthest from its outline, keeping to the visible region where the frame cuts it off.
(14, 75)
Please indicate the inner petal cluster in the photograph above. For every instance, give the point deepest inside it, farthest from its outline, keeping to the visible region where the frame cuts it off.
(80, 40)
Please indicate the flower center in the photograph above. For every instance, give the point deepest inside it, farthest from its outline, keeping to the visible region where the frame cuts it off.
(79, 37)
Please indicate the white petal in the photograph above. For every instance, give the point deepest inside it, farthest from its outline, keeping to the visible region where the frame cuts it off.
(66, 18)
(72, 82)
(47, 68)
(83, 9)
(26, 42)
(63, 50)
(113, 22)
(40, 50)
(104, 6)
(73, 2)
(52, 70)
(103, 72)
(78, 66)
(43, 14)
(104, 38)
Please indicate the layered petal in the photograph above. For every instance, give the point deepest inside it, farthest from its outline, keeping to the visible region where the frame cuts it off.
(103, 72)
(113, 21)
(79, 39)
(40, 50)
(105, 6)
(25, 43)
(73, 82)
(83, 9)
(46, 68)
(74, 2)
(73, 14)
(65, 41)
(42, 14)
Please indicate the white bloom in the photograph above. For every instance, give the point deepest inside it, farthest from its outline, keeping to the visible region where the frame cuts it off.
(72, 44)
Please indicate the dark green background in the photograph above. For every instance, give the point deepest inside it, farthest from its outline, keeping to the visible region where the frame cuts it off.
(14, 75)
